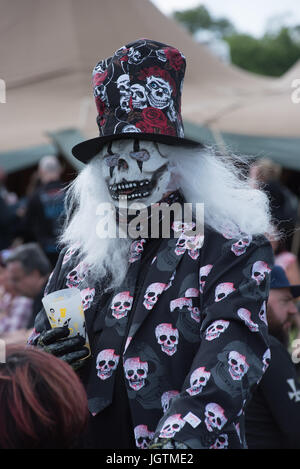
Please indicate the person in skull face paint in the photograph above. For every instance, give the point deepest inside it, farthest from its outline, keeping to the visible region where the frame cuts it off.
(155, 368)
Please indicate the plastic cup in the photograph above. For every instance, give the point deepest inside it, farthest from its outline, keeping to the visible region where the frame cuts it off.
(64, 308)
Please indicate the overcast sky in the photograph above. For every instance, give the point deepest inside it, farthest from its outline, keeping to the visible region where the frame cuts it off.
(247, 16)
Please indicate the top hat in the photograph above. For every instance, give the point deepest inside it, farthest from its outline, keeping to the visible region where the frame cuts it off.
(280, 280)
(138, 96)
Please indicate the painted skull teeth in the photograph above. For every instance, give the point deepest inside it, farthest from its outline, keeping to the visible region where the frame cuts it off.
(131, 190)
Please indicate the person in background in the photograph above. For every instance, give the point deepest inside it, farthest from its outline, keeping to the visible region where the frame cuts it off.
(290, 264)
(265, 175)
(273, 414)
(43, 217)
(42, 401)
(29, 269)
(288, 261)
(9, 220)
(15, 310)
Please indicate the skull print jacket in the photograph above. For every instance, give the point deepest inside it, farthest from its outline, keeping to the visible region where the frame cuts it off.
(196, 344)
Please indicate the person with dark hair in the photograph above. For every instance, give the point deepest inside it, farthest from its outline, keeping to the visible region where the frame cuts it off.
(29, 270)
(15, 310)
(273, 414)
(44, 213)
(42, 401)
(9, 221)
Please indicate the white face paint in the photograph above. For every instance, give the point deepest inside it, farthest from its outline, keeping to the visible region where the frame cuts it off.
(134, 171)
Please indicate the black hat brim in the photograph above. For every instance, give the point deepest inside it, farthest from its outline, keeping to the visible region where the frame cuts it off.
(295, 290)
(86, 150)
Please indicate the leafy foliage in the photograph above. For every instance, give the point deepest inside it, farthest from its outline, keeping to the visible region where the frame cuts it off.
(199, 17)
(273, 54)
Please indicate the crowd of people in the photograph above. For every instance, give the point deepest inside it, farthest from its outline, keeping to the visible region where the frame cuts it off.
(29, 248)
(210, 366)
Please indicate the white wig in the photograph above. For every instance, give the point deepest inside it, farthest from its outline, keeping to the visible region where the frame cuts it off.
(230, 204)
(222, 184)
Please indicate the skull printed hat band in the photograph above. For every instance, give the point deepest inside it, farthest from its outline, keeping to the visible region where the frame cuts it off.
(138, 96)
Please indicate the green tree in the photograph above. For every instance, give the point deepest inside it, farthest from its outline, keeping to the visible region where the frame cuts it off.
(272, 55)
(194, 18)
(197, 18)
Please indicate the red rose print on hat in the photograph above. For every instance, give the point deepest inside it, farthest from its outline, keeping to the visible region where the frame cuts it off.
(174, 57)
(100, 106)
(99, 78)
(154, 117)
(144, 127)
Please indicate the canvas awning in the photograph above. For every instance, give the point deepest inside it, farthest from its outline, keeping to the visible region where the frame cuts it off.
(48, 50)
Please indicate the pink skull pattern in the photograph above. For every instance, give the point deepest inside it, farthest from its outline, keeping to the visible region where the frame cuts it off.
(142, 436)
(238, 365)
(180, 303)
(87, 296)
(77, 275)
(221, 442)
(203, 273)
(266, 359)
(106, 363)
(179, 226)
(259, 271)
(136, 250)
(166, 398)
(69, 253)
(216, 329)
(191, 293)
(263, 313)
(167, 338)
(240, 246)
(214, 417)
(245, 315)
(172, 425)
(136, 372)
(223, 290)
(121, 304)
(152, 294)
(198, 380)
(190, 243)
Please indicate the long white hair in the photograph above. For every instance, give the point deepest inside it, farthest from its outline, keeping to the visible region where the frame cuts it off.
(222, 184)
(203, 176)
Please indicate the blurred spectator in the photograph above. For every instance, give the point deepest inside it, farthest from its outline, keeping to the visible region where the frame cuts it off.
(29, 270)
(286, 259)
(265, 175)
(45, 209)
(42, 401)
(9, 197)
(8, 214)
(273, 414)
(15, 310)
(290, 264)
